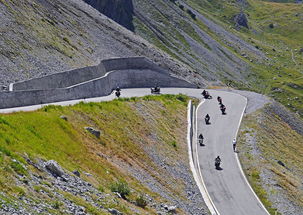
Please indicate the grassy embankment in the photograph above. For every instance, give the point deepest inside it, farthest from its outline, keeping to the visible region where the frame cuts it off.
(265, 140)
(128, 127)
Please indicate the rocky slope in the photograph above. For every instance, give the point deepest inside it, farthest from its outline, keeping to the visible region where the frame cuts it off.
(188, 36)
(120, 11)
(238, 43)
(270, 149)
(44, 37)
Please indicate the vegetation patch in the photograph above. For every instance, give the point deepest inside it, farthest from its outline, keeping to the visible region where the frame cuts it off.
(130, 128)
(271, 155)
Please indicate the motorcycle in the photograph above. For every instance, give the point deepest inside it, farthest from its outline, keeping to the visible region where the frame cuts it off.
(206, 95)
(223, 109)
(118, 93)
(201, 142)
(218, 162)
(207, 119)
(155, 90)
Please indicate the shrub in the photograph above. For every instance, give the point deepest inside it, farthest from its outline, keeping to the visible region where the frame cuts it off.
(182, 98)
(121, 187)
(174, 144)
(141, 201)
(3, 121)
(21, 191)
(181, 7)
(193, 16)
(57, 204)
(5, 151)
(101, 189)
(271, 25)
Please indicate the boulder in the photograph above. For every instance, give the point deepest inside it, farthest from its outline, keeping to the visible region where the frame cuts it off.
(241, 20)
(170, 209)
(93, 131)
(114, 211)
(76, 173)
(63, 117)
(54, 168)
(281, 163)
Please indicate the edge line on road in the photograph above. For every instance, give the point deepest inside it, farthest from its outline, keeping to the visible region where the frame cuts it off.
(207, 199)
(238, 160)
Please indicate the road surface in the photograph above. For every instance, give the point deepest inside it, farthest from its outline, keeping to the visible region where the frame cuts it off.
(227, 188)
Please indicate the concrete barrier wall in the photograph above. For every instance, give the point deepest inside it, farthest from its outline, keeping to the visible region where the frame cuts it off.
(69, 78)
(94, 88)
(61, 80)
(131, 63)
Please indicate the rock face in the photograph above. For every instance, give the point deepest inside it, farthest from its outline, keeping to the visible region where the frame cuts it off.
(241, 20)
(120, 11)
(53, 44)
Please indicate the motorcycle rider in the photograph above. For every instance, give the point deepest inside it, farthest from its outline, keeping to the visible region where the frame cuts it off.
(207, 118)
(201, 138)
(219, 100)
(217, 162)
(118, 91)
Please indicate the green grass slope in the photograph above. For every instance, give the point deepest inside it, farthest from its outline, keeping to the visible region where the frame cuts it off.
(132, 131)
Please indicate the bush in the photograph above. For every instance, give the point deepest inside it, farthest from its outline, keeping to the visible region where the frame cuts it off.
(182, 98)
(174, 144)
(5, 151)
(181, 7)
(57, 204)
(121, 187)
(271, 25)
(141, 201)
(101, 189)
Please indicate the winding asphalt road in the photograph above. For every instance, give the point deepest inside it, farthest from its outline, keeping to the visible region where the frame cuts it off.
(227, 188)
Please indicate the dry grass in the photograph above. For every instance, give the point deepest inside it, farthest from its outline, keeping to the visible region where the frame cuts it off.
(275, 141)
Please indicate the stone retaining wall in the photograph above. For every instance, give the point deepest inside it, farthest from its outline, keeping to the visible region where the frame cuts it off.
(73, 77)
(134, 78)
